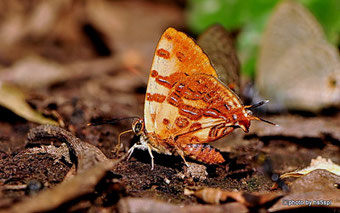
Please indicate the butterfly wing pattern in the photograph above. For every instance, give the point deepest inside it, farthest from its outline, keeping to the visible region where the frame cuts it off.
(186, 106)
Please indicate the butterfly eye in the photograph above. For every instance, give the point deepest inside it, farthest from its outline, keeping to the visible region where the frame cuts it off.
(137, 127)
(250, 113)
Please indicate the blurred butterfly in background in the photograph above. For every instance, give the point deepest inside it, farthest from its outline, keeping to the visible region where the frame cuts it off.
(297, 68)
(217, 43)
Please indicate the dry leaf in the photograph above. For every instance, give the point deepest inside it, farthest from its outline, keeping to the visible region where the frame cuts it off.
(141, 205)
(58, 153)
(318, 163)
(38, 21)
(216, 195)
(14, 100)
(87, 154)
(316, 189)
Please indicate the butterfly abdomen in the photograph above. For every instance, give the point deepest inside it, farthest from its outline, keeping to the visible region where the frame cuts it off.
(203, 153)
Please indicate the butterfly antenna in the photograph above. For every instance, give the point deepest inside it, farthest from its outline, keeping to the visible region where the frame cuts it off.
(269, 122)
(112, 121)
(258, 105)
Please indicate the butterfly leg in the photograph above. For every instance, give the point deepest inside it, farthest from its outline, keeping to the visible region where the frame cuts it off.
(135, 146)
(151, 155)
(131, 151)
(180, 153)
(141, 146)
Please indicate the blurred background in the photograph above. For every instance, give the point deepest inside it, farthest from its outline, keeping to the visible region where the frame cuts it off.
(101, 51)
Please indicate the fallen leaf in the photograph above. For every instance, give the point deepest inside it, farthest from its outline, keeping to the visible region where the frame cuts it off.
(316, 189)
(318, 163)
(13, 99)
(57, 152)
(216, 195)
(38, 22)
(87, 154)
(38, 26)
(141, 205)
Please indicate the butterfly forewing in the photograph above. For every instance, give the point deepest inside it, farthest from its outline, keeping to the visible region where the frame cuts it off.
(176, 57)
(197, 107)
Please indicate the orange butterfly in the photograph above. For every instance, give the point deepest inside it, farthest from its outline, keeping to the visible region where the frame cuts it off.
(186, 106)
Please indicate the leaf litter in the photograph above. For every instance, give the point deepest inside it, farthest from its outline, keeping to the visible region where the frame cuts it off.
(92, 165)
(316, 189)
(318, 163)
(13, 99)
(216, 196)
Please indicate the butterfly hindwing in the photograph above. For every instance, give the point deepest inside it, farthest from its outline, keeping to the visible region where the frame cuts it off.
(205, 108)
(198, 109)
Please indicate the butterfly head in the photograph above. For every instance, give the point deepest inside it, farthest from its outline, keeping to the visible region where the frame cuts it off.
(138, 127)
(243, 119)
(247, 116)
